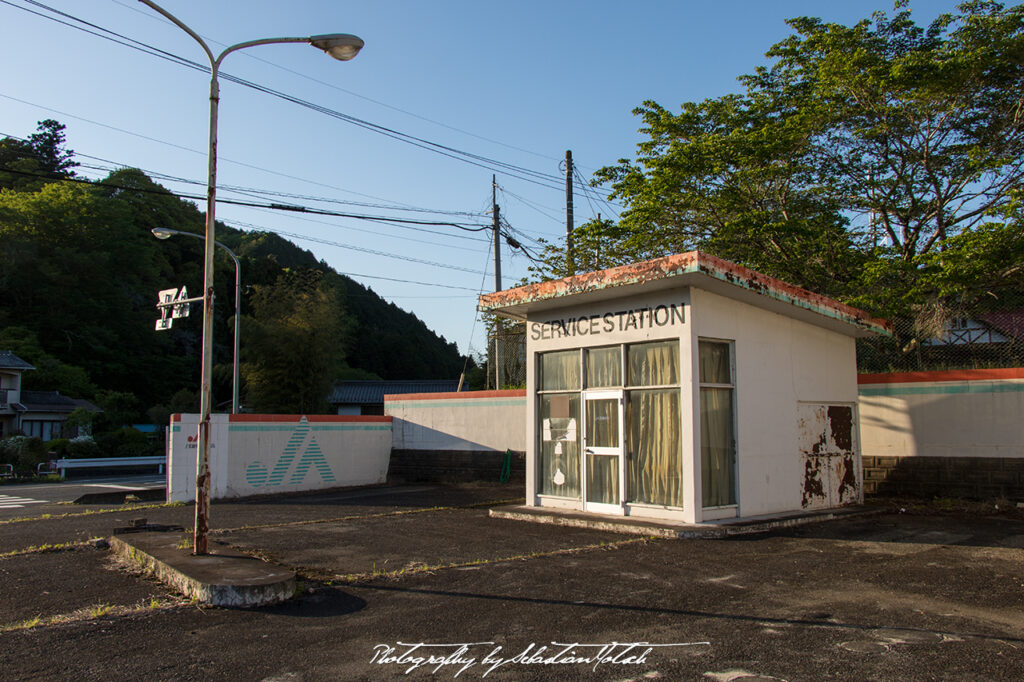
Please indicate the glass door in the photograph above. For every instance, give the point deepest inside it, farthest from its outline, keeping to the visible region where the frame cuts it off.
(602, 446)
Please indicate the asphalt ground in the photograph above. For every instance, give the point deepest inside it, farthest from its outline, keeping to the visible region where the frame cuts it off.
(921, 595)
(35, 499)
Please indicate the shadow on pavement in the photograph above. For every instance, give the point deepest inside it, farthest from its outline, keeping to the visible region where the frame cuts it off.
(818, 622)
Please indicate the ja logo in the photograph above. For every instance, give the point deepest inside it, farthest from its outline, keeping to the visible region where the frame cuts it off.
(302, 446)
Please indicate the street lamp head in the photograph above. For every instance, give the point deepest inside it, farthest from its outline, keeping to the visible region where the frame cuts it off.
(163, 232)
(341, 46)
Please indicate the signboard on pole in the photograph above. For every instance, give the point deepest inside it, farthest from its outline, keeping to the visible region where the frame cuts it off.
(172, 304)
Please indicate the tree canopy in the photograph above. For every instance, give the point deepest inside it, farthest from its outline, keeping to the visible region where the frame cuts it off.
(879, 163)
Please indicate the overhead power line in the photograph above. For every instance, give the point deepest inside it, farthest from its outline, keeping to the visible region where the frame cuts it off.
(520, 172)
(294, 208)
(259, 193)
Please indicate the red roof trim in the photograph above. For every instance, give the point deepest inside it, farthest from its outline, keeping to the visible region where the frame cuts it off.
(945, 375)
(462, 395)
(311, 418)
(677, 264)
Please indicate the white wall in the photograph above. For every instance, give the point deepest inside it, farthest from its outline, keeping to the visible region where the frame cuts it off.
(262, 454)
(781, 363)
(974, 413)
(469, 421)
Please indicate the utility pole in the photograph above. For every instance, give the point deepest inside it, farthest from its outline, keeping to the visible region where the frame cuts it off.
(570, 264)
(496, 215)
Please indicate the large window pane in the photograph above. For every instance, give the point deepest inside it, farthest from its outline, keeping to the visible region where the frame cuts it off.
(603, 423)
(714, 363)
(560, 371)
(558, 469)
(654, 364)
(604, 367)
(654, 469)
(717, 447)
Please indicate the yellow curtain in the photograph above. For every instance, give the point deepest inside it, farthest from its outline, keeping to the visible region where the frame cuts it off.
(717, 447)
(653, 364)
(603, 479)
(654, 469)
(604, 367)
(560, 371)
(714, 363)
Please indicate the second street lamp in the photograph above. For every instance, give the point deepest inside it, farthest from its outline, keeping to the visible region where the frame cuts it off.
(167, 233)
(341, 46)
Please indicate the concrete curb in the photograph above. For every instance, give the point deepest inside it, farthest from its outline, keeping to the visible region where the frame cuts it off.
(670, 529)
(222, 578)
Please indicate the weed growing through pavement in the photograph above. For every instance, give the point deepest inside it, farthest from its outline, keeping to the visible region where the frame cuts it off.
(94, 612)
(356, 517)
(416, 567)
(45, 549)
(90, 512)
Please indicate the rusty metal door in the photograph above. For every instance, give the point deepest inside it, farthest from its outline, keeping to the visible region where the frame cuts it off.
(827, 441)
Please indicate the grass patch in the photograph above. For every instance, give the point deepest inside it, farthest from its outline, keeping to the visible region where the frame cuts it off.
(90, 512)
(95, 612)
(354, 517)
(45, 549)
(417, 567)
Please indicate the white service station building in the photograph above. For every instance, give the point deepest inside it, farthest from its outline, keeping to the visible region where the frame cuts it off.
(688, 388)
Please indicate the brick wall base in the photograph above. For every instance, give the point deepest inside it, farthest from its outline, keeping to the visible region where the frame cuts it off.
(983, 478)
(453, 466)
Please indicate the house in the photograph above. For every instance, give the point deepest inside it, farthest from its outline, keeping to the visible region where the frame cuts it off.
(40, 414)
(688, 388)
(367, 397)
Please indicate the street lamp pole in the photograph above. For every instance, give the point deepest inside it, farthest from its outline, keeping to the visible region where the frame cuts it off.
(166, 233)
(340, 46)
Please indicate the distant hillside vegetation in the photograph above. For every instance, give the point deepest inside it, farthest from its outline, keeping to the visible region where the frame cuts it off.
(80, 272)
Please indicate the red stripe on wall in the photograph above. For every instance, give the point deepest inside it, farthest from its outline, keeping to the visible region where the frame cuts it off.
(297, 417)
(333, 418)
(946, 375)
(462, 395)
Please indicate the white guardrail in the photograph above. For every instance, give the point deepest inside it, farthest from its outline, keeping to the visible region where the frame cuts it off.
(62, 465)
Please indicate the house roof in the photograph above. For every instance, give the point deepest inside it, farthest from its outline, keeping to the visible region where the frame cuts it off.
(695, 269)
(8, 360)
(47, 401)
(1009, 322)
(373, 392)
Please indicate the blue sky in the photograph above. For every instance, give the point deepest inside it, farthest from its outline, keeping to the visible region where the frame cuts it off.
(518, 83)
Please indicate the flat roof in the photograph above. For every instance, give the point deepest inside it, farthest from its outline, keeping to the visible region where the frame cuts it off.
(691, 269)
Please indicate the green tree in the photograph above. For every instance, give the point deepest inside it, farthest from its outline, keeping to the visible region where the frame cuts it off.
(50, 374)
(295, 342)
(29, 164)
(855, 164)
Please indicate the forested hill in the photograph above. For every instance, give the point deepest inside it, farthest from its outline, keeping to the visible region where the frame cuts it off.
(80, 272)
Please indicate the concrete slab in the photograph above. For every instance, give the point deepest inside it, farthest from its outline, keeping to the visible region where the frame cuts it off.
(673, 529)
(224, 577)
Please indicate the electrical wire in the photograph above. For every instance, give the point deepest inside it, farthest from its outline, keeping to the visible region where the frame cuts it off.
(259, 193)
(294, 208)
(352, 93)
(519, 172)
